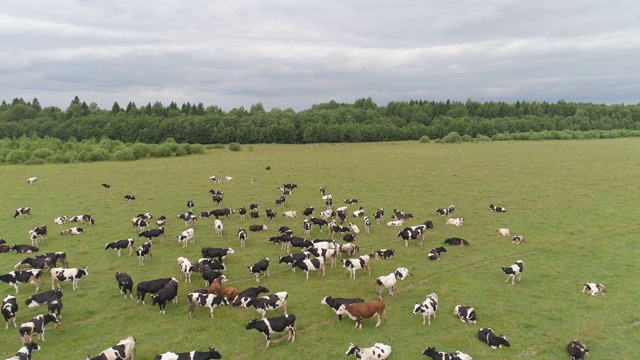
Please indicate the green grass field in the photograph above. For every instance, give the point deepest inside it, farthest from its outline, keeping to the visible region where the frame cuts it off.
(574, 201)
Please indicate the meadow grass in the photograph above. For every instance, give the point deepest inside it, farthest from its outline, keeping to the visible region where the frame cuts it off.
(574, 201)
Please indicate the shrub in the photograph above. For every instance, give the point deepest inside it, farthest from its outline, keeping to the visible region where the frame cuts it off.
(140, 150)
(234, 146)
(42, 153)
(452, 137)
(215, 146)
(161, 151)
(481, 137)
(123, 155)
(181, 151)
(196, 149)
(424, 139)
(99, 154)
(18, 156)
(34, 161)
(467, 138)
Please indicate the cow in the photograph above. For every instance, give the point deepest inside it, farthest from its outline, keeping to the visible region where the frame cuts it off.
(43, 298)
(60, 220)
(281, 200)
(217, 224)
(222, 212)
(152, 233)
(242, 211)
(125, 283)
(438, 355)
(124, 350)
(378, 351)
(503, 232)
(367, 224)
(190, 205)
(399, 215)
(291, 258)
(21, 212)
(215, 286)
(32, 181)
(382, 254)
(310, 265)
(14, 278)
(186, 236)
(359, 212)
(379, 215)
(105, 185)
(192, 355)
(185, 267)
(139, 224)
(267, 326)
(36, 326)
(446, 211)
(395, 223)
(249, 293)
(342, 215)
(169, 292)
(434, 254)
(25, 351)
(84, 219)
(260, 266)
(72, 231)
(497, 208)
(9, 310)
(335, 228)
(363, 310)
(337, 302)
(410, 234)
(427, 308)
(55, 307)
(228, 178)
(349, 237)
(389, 281)
(284, 191)
(216, 192)
(120, 245)
(577, 350)
(145, 216)
(269, 302)
(594, 289)
(38, 234)
(129, 197)
(150, 287)
(205, 300)
(326, 197)
(70, 274)
(217, 199)
(216, 253)
(24, 249)
(271, 214)
(242, 236)
(514, 271)
(143, 252)
(189, 219)
(325, 253)
(4, 248)
(308, 211)
(455, 241)
(44, 261)
(257, 228)
(487, 336)
(455, 221)
(518, 239)
(465, 313)
(290, 214)
(161, 221)
(352, 265)
(354, 229)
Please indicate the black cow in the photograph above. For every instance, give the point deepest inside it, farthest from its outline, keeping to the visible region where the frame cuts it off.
(260, 266)
(192, 355)
(275, 324)
(222, 212)
(36, 326)
(25, 352)
(250, 293)
(125, 283)
(13, 278)
(308, 211)
(382, 254)
(52, 259)
(152, 233)
(577, 350)
(206, 214)
(319, 222)
(168, 292)
(216, 192)
(337, 302)
(9, 310)
(257, 228)
(209, 275)
(129, 197)
(487, 336)
(271, 214)
(217, 199)
(24, 249)
(150, 287)
(216, 253)
(455, 241)
(119, 245)
(242, 211)
(434, 254)
(31, 263)
(43, 298)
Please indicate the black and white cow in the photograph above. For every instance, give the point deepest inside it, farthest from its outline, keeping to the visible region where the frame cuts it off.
(72, 231)
(389, 281)
(192, 355)
(25, 352)
(594, 289)
(517, 239)
(487, 336)
(190, 205)
(577, 350)
(242, 236)
(161, 221)
(59, 275)
(291, 258)
(269, 302)
(446, 211)
(378, 351)
(352, 265)
(281, 200)
(43, 298)
(36, 326)
(189, 219)
(455, 241)
(310, 265)
(465, 313)
(124, 350)
(259, 267)
(439, 355)
(60, 220)
(38, 234)
(14, 278)
(32, 180)
(330, 254)
(24, 249)
(308, 211)
(55, 307)
(242, 211)
(186, 268)
(249, 293)
(187, 236)
(410, 234)
(222, 212)
(143, 252)
(150, 287)
(379, 215)
(216, 192)
(267, 326)
(335, 303)
(139, 224)
(33, 263)
(306, 227)
(84, 219)
(22, 212)
(427, 308)
(497, 208)
(120, 245)
(169, 292)
(145, 216)
(52, 259)
(514, 271)
(216, 253)
(152, 234)
(367, 224)
(382, 254)
(434, 254)
(205, 300)
(271, 214)
(125, 283)
(217, 199)
(257, 228)
(129, 197)
(106, 186)
(9, 310)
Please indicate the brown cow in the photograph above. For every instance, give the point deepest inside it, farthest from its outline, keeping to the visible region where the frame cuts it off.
(216, 285)
(229, 292)
(364, 310)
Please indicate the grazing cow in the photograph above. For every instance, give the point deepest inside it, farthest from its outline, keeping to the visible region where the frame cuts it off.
(119, 245)
(242, 235)
(439, 355)
(454, 241)
(271, 214)
(257, 228)
(352, 265)
(434, 254)
(205, 300)
(465, 313)
(217, 224)
(139, 224)
(249, 293)
(125, 283)
(161, 220)
(389, 281)
(447, 211)
(395, 223)
(223, 212)
(169, 292)
(71, 274)
(124, 350)
(296, 241)
(152, 233)
(21, 212)
(275, 325)
(129, 197)
(40, 233)
(428, 307)
(487, 336)
(503, 232)
(577, 350)
(378, 351)
(84, 219)
(260, 266)
(410, 234)
(363, 310)
(60, 220)
(143, 252)
(514, 271)
(192, 355)
(382, 254)
(455, 221)
(72, 231)
(43, 298)
(55, 307)
(291, 258)
(337, 302)
(14, 278)
(310, 265)
(25, 352)
(189, 219)
(216, 192)
(32, 181)
(190, 205)
(216, 253)
(269, 302)
(186, 236)
(106, 186)
(497, 208)
(145, 216)
(150, 287)
(217, 199)
(594, 289)
(9, 310)
(36, 326)
(348, 248)
(24, 249)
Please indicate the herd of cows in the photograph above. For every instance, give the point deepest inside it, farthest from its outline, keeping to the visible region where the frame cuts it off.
(301, 253)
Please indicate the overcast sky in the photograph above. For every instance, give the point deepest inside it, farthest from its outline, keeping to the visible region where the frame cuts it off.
(293, 54)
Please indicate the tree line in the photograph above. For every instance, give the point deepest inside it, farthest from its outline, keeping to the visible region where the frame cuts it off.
(331, 122)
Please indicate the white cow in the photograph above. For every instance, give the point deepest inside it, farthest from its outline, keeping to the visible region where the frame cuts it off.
(185, 236)
(503, 232)
(185, 267)
(378, 351)
(125, 347)
(389, 281)
(32, 181)
(217, 224)
(428, 307)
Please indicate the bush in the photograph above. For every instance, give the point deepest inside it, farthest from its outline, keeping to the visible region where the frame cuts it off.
(482, 138)
(181, 151)
(196, 149)
(161, 151)
(99, 154)
(34, 161)
(123, 155)
(452, 137)
(42, 153)
(18, 156)
(215, 146)
(424, 139)
(234, 147)
(140, 150)
(467, 138)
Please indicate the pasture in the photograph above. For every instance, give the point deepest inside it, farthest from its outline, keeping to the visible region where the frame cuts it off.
(574, 201)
